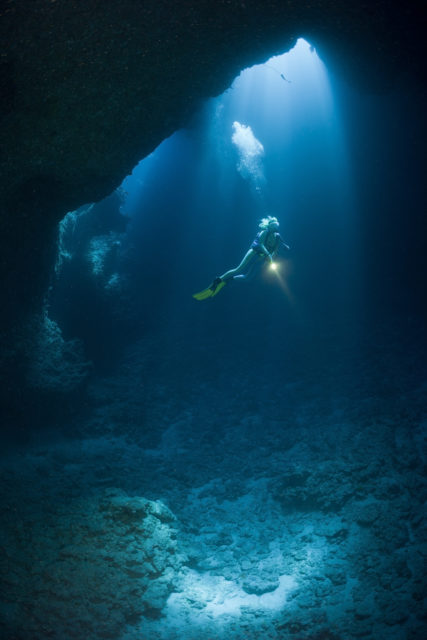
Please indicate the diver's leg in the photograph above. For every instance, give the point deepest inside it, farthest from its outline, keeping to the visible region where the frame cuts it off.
(254, 268)
(232, 273)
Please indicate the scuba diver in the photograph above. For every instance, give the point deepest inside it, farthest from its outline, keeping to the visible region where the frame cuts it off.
(263, 249)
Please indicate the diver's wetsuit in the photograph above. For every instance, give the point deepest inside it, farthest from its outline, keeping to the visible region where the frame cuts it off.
(257, 245)
(255, 254)
(264, 246)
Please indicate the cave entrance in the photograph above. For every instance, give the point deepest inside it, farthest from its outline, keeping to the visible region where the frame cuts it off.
(272, 144)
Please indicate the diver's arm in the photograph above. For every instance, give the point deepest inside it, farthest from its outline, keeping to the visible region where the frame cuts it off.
(283, 243)
(267, 253)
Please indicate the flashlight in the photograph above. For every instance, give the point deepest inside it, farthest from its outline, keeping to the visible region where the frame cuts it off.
(273, 266)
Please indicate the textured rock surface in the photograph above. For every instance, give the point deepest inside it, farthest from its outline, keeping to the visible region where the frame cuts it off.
(89, 89)
(255, 548)
(54, 364)
(89, 568)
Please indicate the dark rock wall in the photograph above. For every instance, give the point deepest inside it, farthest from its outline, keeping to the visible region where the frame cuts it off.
(89, 88)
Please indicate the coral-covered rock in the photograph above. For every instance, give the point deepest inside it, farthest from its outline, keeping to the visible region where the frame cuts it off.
(327, 488)
(87, 570)
(55, 364)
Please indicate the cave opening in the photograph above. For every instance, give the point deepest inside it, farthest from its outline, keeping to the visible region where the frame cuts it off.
(272, 144)
(242, 466)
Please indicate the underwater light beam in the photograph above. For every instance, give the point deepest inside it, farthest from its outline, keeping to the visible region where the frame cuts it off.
(274, 268)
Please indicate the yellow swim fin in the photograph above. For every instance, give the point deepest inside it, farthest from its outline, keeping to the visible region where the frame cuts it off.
(202, 295)
(211, 291)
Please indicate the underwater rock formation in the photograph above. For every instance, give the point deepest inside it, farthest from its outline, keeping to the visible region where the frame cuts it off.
(44, 374)
(91, 279)
(88, 90)
(294, 521)
(54, 364)
(88, 569)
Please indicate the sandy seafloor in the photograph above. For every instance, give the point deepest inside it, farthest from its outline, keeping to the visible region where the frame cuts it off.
(223, 502)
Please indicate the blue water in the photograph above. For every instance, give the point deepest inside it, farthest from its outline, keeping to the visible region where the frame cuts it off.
(199, 190)
(251, 465)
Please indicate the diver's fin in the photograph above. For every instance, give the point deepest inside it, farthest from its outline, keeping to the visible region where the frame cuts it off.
(211, 291)
(202, 295)
(218, 288)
